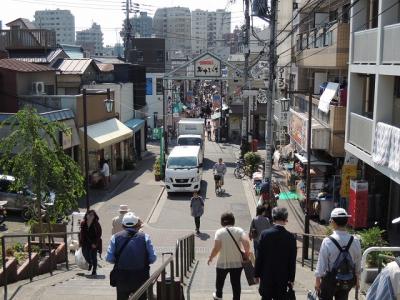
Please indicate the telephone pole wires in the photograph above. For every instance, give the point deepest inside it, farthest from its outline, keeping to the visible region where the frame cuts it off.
(246, 50)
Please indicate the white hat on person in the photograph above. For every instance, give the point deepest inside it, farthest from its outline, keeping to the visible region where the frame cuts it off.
(123, 208)
(395, 221)
(130, 219)
(339, 213)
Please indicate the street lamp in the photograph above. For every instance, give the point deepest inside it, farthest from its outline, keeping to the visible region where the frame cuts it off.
(285, 103)
(108, 103)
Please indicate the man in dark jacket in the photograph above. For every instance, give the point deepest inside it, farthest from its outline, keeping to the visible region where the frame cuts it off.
(134, 259)
(276, 261)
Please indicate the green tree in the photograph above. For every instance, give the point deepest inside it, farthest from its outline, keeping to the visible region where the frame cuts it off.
(32, 154)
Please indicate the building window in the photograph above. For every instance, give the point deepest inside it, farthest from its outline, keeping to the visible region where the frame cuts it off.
(159, 86)
(160, 56)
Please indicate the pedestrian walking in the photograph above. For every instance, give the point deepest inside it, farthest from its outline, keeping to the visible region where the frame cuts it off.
(229, 259)
(276, 260)
(117, 221)
(197, 209)
(209, 128)
(90, 239)
(259, 223)
(105, 173)
(132, 252)
(339, 261)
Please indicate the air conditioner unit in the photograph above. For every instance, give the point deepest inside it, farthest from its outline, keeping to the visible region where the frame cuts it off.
(38, 88)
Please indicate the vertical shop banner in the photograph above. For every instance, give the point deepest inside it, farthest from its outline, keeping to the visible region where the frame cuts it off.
(189, 96)
(349, 172)
(216, 101)
(149, 86)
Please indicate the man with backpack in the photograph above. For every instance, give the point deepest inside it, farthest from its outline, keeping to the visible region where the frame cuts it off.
(339, 261)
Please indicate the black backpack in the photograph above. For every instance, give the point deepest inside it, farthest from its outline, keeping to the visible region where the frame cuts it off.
(343, 271)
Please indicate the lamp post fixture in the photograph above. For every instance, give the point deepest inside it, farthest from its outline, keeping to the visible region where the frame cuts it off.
(108, 103)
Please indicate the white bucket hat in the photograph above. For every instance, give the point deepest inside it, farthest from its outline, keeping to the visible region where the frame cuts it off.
(339, 213)
(130, 219)
(123, 208)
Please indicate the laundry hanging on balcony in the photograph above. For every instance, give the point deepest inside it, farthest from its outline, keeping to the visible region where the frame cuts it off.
(394, 157)
(381, 149)
(327, 96)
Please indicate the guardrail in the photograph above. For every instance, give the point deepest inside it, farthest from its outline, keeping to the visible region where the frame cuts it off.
(314, 243)
(29, 238)
(184, 257)
(364, 260)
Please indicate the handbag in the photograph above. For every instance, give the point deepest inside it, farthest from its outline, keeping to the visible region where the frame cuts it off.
(114, 271)
(312, 295)
(246, 263)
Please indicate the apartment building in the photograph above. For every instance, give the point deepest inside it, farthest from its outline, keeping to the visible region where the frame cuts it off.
(174, 25)
(91, 39)
(199, 31)
(59, 20)
(373, 108)
(142, 25)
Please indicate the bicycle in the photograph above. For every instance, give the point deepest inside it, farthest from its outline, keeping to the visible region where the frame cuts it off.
(218, 185)
(239, 171)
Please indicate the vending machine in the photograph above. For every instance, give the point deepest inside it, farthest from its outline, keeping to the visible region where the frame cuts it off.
(358, 204)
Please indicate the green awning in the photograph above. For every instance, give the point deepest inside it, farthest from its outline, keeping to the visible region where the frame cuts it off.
(289, 196)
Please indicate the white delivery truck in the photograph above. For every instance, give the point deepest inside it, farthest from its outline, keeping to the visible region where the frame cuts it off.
(183, 172)
(191, 133)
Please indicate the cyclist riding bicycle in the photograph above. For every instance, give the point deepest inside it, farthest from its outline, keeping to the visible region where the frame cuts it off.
(220, 170)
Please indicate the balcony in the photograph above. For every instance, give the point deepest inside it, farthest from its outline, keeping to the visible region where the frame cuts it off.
(360, 134)
(365, 46)
(324, 47)
(391, 44)
(21, 39)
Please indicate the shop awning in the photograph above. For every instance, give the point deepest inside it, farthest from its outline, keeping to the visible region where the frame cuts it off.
(106, 133)
(71, 140)
(215, 116)
(135, 124)
(327, 96)
(314, 161)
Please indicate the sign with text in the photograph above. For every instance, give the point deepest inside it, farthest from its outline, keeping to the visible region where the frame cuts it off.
(207, 66)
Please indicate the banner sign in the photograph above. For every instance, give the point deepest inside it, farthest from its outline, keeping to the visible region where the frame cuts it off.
(207, 66)
(149, 86)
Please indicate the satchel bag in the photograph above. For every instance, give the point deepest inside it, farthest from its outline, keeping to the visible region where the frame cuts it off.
(246, 263)
(114, 271)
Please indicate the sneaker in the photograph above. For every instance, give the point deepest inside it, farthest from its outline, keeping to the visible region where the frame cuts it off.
(197, 231)
(215, 296)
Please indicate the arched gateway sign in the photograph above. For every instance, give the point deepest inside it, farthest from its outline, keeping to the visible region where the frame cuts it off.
(207, 66)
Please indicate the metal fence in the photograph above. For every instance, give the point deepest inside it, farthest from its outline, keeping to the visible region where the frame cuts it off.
(184, 258)
(47, 247)
(313, 248)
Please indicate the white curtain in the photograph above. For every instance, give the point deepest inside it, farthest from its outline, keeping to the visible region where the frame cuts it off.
(394, 156)
(381, 149)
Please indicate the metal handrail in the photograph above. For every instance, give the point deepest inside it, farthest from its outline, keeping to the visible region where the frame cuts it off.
(364, 260)
(147, 287)
(50, 236)
(313, 248)
(182, 259)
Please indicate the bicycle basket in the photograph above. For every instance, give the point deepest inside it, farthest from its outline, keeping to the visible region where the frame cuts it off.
(217, 177)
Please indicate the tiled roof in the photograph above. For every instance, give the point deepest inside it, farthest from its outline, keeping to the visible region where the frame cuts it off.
(38, 57)
(55, 115)
(22, 66)
(28, 24)
(105, 67)
(73, 66)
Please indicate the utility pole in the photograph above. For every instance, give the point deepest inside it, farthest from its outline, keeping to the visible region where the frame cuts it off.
(272, 64)
(246, 50)
(127, 29)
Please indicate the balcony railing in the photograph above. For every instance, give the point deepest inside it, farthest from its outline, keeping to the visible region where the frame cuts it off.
(365, 46)
(361, 132)
(27, 39)
(391, 44)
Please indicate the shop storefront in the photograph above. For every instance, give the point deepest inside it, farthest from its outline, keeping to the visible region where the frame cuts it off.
(138, 142)
(107, 140)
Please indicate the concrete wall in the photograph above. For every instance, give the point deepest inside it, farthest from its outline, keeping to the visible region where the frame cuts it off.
(154, 101)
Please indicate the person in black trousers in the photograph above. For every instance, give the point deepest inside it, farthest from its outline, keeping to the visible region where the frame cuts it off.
(275, 265)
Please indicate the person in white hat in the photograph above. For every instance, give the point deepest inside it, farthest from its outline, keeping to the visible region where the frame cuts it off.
(131, 251)
(332, 280)
(117, 221)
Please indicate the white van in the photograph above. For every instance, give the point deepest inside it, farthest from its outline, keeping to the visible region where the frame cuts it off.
(184, 171)
(192, 140)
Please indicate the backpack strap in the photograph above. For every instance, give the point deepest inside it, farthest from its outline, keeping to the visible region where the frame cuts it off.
(342, 249)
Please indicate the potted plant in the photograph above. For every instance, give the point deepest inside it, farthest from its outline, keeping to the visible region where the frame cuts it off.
(157, 169)
(252, 161)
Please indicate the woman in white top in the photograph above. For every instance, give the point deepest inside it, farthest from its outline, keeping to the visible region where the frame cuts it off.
(229, 259)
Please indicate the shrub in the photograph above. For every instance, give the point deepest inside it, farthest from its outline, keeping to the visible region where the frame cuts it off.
(252, 161)
(373, 237)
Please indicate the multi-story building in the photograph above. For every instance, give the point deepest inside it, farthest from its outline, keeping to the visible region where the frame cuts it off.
(199, 31)
(209, 30)
(61, 21)
(373, 108)
(174, 25)
(142, 25)
(91, 39)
